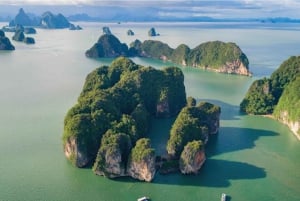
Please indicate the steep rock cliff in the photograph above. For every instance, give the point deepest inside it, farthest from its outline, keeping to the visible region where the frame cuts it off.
(141, 163)
(192, 157)
(287, 110)
(107, 46)
(193, 123)
(113, 112)
(5, 43)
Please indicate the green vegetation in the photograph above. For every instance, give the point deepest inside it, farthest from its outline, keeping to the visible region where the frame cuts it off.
(142, 150)
(191, 102)
(217, 55)
(107, 46)
(115, 106)
(263, 95)
(258, 100)
(152, 48)
(188, 155)
(180, 54)
(289, 102)
(192, 123)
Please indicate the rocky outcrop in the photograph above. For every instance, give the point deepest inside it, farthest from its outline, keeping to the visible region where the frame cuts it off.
(294, 126)
(233, 67)
(19, 36)
(114, 113)
(152, 32)
(48, 20)
(29, 40)
(73, 152)
(192, 158)
(107, 46)
(51, 21)
(5, 42)
(73, 27)
(23, 19)
(141, 163)
(287, 110)
(144, 170)
(29, 30)
(193, 123)
(215, 55)
(114, 165)
(130, 32)
(106, 30)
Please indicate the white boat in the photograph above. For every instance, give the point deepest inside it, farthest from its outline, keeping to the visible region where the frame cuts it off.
(143, 199)
(223, 197)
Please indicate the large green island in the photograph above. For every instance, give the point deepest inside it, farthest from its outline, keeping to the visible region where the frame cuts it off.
(214, 55)
(278, 95)
(107, 128)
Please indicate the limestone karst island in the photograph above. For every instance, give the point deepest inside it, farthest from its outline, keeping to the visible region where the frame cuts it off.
(215, 55)
(278, 96)
(108, 126)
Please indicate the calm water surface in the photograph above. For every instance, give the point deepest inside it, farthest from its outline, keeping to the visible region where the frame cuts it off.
(252, 158)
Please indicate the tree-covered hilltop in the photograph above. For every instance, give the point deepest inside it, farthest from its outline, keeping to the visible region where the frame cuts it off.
(113, 112)
(107, 46)
(288, 108)
(5, 43)
(214, 55)
(188, 136)
(193, 123)
(108, 126)
(277, 95)
(263, 94)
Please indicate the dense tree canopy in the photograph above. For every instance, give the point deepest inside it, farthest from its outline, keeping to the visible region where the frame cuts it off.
(192, 123)
(289, 102)
(264, 94)
(117, 101)
(216, 55)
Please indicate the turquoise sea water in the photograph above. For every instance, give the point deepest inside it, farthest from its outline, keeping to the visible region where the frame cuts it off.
(252, 158)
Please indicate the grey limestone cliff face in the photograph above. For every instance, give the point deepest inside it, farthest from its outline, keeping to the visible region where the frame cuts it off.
(194, 165)
(293, 125)
(5, 42)
(143, 170)
(114, 166)
(76, 155)
(235, 67)
(192, 158)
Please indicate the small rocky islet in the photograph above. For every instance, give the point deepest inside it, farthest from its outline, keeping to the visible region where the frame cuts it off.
(108, 126)
(214, 55)
(5, 43)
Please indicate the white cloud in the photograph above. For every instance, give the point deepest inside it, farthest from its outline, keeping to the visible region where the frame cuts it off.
(218, 8)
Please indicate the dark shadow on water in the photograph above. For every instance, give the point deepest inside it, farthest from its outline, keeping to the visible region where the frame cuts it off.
(214, 173)
(228, 111)
(219, 173)
(231, 139)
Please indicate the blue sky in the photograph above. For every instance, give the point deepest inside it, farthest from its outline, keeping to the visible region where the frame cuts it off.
(187, 8)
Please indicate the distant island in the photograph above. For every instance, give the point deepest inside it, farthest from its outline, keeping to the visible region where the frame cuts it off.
(215, 55)
(47, 20)
(108, 126)
(20, 36)
(278, 95)
(5, 43)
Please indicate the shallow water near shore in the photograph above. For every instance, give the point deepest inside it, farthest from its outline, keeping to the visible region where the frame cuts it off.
(252, 157)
